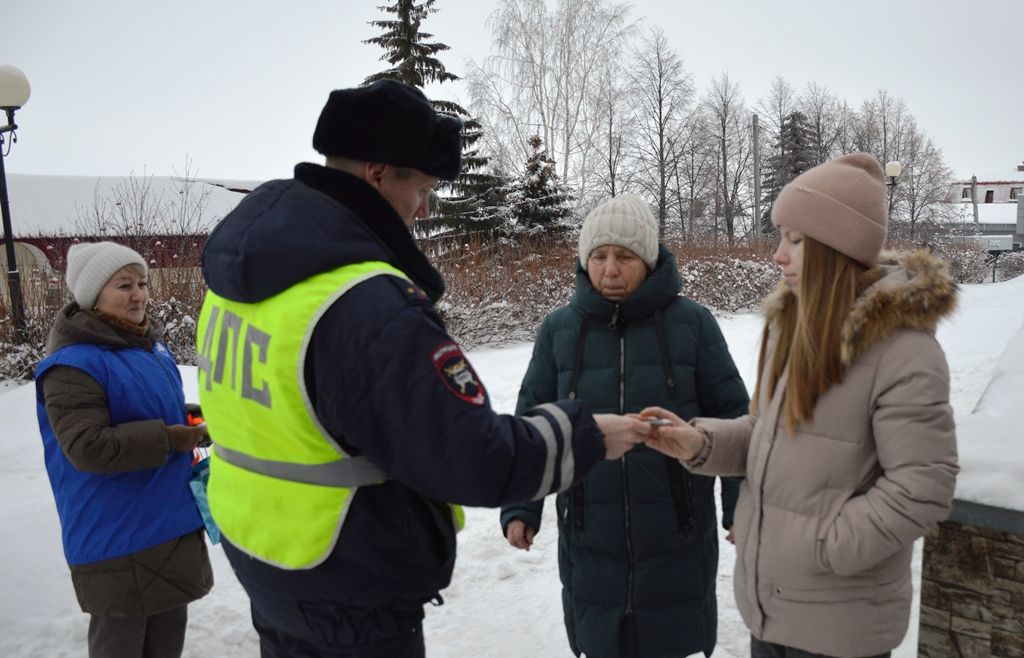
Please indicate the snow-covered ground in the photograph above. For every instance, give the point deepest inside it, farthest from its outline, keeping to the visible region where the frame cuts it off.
(502, 602)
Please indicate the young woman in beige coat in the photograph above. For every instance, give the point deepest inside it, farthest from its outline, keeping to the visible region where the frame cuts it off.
(849, 451)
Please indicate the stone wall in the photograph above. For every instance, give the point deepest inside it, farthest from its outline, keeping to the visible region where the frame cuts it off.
(972, 593)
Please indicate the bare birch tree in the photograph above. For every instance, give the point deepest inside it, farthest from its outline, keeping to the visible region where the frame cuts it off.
(730, 131)
(693, 172)
(662, 92)
(827, 118)
(543, 77)
(612, 144)
(773, 109)
(776, 106)
(881, 126)
(923, 186)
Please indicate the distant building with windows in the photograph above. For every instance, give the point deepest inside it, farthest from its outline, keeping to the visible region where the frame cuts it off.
(993, 200)
(995, 187)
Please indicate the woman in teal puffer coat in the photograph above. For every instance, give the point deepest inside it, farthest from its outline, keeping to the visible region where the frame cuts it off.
(638, 548)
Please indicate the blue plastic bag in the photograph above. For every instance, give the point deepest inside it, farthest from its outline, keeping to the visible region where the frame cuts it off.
(200, 478)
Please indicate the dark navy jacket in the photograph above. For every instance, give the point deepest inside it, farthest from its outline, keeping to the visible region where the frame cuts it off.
(374, 373)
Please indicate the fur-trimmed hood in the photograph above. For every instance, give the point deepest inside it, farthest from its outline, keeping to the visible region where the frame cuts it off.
(911, 290)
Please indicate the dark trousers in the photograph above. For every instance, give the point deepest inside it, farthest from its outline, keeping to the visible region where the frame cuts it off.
(157, 636)
(629, 643)
(759, 649)
(290, 628)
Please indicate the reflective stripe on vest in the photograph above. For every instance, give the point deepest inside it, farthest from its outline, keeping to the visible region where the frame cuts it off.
(351, 472)
(280, 485)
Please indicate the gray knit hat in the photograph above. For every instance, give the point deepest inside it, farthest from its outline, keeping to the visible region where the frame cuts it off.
(625, 221)
(90, 266)
(841, 203)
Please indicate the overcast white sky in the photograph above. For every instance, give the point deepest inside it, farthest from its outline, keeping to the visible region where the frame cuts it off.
(237, 86)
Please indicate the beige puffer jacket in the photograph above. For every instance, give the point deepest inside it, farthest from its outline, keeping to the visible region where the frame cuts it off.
(826, 519)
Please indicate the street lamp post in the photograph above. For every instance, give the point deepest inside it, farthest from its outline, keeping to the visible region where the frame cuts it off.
(14, 93)
(974, 200)
(893, 169)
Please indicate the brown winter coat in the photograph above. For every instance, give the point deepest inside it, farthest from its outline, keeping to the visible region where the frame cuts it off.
(826, 519)
(152, 580)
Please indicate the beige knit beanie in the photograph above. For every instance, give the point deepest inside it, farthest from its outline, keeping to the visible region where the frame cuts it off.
(625, 221)
(840, 203)
(90, 266)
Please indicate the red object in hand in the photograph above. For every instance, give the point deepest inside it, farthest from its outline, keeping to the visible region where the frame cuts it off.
(193, 420)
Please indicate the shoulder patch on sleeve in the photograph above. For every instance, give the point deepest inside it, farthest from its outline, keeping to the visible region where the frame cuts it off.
(458, 376)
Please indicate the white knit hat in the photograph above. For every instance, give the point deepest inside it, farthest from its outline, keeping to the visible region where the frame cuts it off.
(625, 221)
(90, 266)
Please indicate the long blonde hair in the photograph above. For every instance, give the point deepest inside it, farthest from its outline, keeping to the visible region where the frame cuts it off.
(810, 329)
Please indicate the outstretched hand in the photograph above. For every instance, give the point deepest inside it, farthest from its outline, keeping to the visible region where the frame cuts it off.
(678, 439)
(621, 433)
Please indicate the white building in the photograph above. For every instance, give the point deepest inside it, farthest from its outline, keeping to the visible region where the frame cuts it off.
(993, 200)
(993, 187)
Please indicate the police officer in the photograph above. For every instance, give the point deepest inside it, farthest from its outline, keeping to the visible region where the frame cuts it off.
(348, 423)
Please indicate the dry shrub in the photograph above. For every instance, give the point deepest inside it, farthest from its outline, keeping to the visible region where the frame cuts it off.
(1011, 265)
(42, 296)
(500, 293)
(967, 261)
(726, 279)
(497, 293)
(18, 359)
(176, 295)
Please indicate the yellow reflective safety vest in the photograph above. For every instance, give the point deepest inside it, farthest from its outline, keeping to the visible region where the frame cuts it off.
(280, 485)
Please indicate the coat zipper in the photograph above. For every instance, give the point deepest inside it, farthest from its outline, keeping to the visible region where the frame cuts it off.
(631, 572)
(760, 530)
(760, 503)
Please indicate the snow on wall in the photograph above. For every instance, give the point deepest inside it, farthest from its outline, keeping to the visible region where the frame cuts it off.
(49, 205)
(991, 439)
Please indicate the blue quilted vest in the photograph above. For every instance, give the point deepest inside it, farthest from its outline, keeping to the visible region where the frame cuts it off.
(104, 516)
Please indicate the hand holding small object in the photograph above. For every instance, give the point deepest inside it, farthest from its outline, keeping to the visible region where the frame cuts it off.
(621, 433)
(194, 418)
(671, 435)
(184, 438)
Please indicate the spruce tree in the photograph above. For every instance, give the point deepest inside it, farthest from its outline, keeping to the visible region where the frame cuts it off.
(412, 56)
(405, 47)
(537, 200)
(793, 155)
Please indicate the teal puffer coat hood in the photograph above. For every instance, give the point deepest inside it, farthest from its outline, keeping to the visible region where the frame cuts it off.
(638, 543)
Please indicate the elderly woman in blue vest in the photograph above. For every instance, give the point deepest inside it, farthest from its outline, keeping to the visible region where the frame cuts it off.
(118, 452)
(638, 548)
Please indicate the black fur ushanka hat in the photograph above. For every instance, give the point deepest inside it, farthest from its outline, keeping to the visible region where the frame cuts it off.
(391, 123)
